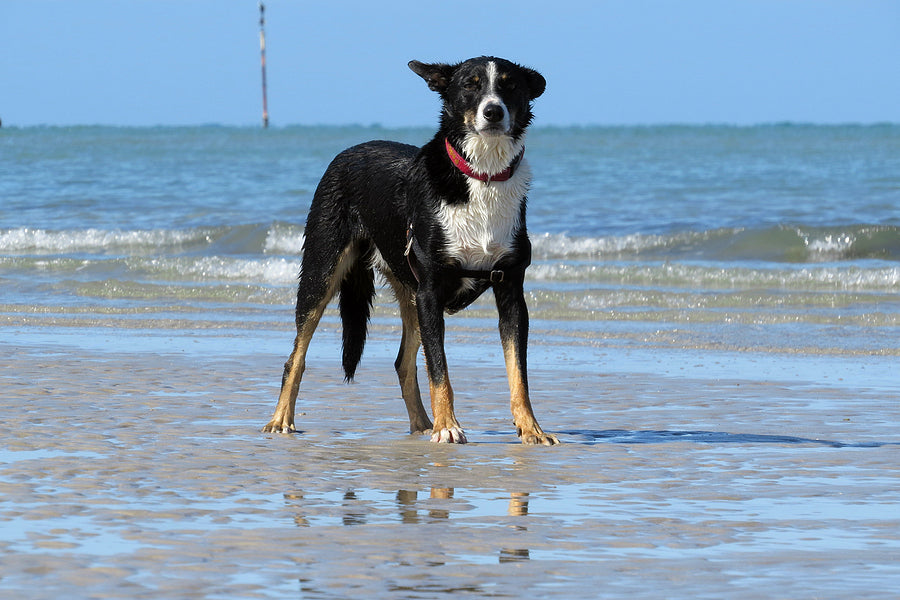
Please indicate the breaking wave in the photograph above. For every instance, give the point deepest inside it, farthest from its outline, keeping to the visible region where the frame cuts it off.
(783, 243)
(862, 257)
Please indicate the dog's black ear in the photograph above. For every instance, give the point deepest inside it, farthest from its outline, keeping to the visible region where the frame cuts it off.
(536, 83)
(437, 75)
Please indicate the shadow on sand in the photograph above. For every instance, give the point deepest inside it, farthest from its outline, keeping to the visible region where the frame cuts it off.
(624, 436)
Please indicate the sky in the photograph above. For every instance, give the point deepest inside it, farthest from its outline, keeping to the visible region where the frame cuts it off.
(607, 62)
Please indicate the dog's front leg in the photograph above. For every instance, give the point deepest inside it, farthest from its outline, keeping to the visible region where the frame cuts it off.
(446, 428)
(514, 337)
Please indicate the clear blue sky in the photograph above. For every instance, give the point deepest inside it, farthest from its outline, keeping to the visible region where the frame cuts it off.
(143, 62)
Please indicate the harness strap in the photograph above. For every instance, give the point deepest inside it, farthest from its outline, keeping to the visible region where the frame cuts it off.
(408, 253)
(492, 275)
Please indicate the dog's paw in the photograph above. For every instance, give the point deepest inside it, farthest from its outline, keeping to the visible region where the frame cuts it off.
(278, 427)
(538, 439)
(454, 435)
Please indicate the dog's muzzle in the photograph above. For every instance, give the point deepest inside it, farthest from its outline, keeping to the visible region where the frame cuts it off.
(492, 117)
(493, 113)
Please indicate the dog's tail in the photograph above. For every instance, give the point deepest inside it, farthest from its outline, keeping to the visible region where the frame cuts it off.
(357, 294)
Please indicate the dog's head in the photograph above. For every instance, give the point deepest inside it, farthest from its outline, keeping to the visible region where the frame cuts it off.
(485, 96)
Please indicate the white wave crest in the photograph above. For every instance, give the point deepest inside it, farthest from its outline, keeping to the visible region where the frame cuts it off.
(690, 276)
(827, 246)
(26, 239)
(284, 239)
(557, 245)
(274, 271)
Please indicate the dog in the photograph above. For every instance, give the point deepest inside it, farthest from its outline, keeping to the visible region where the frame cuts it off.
(442, 223)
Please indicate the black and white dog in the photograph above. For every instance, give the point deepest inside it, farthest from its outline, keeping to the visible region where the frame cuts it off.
(442, 223)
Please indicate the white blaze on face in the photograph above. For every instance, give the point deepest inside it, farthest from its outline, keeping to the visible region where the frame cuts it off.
(481, 231)
(491, 97)
(488, 146)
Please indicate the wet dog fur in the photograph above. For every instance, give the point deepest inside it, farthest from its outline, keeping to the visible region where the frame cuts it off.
(439, 236)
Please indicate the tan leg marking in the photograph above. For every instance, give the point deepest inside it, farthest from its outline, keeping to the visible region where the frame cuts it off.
(406, 367)
(446, 428)
(527, 427)
(283, 417)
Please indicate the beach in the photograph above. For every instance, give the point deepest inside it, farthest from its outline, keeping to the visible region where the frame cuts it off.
(714, 346)
(135, 467)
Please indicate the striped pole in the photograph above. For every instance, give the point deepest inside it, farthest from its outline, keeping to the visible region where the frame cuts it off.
(262, 53)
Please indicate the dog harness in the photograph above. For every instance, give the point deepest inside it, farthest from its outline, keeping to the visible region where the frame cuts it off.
(460, 163)
(492, 275)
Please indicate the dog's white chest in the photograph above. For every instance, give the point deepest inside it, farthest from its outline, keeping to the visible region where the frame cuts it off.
(480, 231)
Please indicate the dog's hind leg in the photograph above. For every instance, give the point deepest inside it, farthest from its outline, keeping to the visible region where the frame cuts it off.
(406, 360)
(318, 284)
(283, 417)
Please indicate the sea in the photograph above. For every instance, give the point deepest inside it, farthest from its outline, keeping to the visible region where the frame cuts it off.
(772, 238)
(714, 339)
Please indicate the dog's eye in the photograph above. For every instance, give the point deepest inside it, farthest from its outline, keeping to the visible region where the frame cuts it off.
(470, 85)
(507, 84)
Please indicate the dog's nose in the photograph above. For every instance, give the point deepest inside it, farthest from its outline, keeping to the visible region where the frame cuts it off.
(493, 113)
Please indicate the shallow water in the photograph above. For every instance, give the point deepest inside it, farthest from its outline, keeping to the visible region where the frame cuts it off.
(140, 470)
(714, 320)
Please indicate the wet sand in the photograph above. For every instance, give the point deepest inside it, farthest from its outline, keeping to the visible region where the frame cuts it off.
(132, 465)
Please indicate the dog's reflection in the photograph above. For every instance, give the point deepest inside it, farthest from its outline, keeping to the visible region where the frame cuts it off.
(517, 507)
(413, 512)
(407, 501)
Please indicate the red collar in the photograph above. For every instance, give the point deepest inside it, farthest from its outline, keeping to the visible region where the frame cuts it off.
(460, 163)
